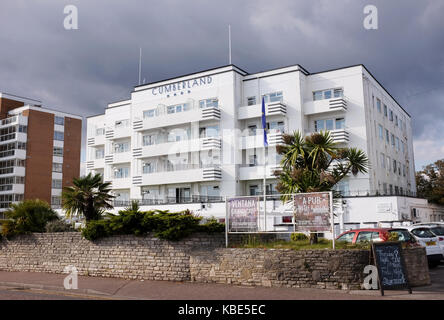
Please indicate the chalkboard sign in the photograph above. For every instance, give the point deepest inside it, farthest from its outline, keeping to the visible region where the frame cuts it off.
(392, 274)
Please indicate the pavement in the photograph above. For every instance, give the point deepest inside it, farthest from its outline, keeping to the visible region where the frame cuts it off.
(47, 286)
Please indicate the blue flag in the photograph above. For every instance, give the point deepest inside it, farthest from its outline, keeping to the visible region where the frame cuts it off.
(264, 122)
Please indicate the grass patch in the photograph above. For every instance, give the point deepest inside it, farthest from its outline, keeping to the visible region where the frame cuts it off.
(253, 242)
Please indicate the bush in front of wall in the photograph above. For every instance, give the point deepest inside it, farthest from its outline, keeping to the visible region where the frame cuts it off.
(164, 224)
(58, 226)
(298, 237)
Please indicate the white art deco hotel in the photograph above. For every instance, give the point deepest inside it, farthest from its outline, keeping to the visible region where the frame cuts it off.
(198, 138)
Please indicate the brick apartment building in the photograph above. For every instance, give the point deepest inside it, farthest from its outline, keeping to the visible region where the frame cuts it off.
(39, 150)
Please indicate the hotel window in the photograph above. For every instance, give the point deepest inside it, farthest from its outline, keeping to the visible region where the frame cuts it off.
(121, 173)
(329, 124)
(57, 152)
(403, 170)
(100, 153)
(148, 167)
(402, 146)
(273, 97)
(208, 132)
(393, 139)
(385, 111)
(122, 123)
(396, 120)
(208, 103)
(58, 135)
(394, 166)
(382, 160)
(57, 184)
(387, 136)
(149, 113)
(210, 191)
(121, 147)
(252, 130)
(56, 201)
(251, 101)
(57, 167)
(254, 190)
(378, 105)
(397, 143)
(391, 115)
(384, 187)
(399, 168)
(252, 160)
(381, 132)
(59, 120)
(149, 139)
(388, 163)
(100, 131)
(276, 126)
(391, 189)
(328, 94)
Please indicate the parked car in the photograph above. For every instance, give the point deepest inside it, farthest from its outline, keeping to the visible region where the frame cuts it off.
(426, 238)
(438, 230)
(375, 235)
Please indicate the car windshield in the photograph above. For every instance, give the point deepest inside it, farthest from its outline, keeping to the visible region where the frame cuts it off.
(403, 235)
(439, 231)
(423, 233)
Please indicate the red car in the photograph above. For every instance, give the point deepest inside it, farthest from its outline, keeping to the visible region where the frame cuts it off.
(375, 235)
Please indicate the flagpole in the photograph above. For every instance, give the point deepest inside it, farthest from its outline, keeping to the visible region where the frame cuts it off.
(264, 124)
(140, 65)
(229, 43)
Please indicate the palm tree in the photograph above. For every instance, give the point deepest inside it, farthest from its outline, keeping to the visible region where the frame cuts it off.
(315, 163)
(88, 196)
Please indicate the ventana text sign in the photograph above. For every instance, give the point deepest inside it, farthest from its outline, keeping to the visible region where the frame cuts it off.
(243, 214)
(312, 211)
(391, 269)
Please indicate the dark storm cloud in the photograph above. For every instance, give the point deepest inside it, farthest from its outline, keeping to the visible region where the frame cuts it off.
(80, 71)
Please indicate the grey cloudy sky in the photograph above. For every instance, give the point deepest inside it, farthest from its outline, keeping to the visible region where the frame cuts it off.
(80, 71)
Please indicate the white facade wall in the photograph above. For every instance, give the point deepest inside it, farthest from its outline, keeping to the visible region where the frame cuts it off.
(229, 174)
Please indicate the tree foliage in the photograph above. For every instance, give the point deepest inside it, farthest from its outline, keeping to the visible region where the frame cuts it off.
(430, 182)
(315, 163)
(27, 216)
(88, 196)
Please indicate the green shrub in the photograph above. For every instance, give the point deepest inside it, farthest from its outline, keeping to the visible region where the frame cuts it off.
(212, 226)
(58, 226)
(27, 216)
(164, 224)
(96, 229)
(298, 237)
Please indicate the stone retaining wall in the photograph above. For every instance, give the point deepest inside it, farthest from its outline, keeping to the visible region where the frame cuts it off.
(200, 258)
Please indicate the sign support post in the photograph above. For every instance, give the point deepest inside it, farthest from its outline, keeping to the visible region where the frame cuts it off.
(226, 223)
(332, 220)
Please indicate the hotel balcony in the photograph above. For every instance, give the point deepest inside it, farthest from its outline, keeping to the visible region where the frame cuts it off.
(96, 141)
(326, 105)
(165, 119)
(257, 172)
(12, 171)
(13, 137)
(255, 111)
(12, 188)
(257, 141)
(180, 174)
(15, 120)
(184, 146)
(13, 154)
(120, 157)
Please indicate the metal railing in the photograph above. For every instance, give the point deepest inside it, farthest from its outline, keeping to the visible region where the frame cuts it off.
(169, 200)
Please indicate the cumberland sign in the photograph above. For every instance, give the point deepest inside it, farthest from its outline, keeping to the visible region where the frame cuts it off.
(181, 86)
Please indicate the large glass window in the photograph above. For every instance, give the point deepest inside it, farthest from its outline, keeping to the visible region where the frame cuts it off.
(381, 132)
(387, 136)
(209, 131)
(59, 120)
(276, 126)
(100, 153)
(208, 103)
(57, 152)
(58, 135)
(148, 167)
(100, 131)
(385, 111)
(251, 101)
(149, 139)
(378, 105)
(121, 173)
(121, 147)
(273, 97)
(328, 94)
(57, 167)
(149, 113)
(57, 184)
(329, 124)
